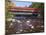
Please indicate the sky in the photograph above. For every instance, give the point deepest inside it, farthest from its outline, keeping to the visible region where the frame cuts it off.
(21, 3)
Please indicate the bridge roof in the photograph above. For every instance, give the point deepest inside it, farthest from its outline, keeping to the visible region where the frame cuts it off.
(14, 9)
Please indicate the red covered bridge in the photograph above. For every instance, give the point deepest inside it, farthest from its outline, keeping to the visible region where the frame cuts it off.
(24, 9)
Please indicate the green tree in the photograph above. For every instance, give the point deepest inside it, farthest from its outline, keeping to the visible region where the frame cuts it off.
(8, 4)
(38, 5)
